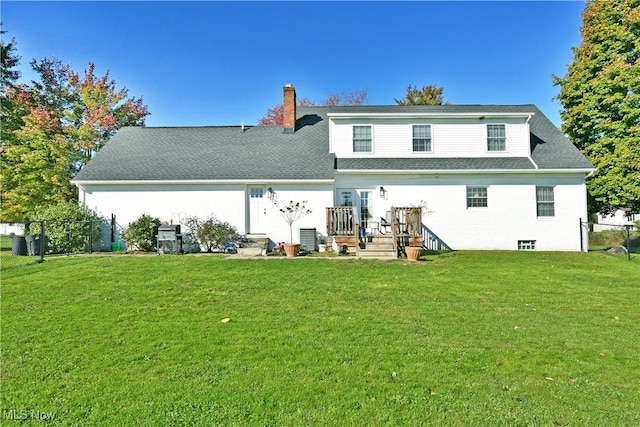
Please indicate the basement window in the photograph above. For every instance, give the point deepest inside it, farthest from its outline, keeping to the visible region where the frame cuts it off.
(526, 245)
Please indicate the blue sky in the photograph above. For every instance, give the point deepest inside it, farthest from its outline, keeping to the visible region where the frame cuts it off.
(223, 63)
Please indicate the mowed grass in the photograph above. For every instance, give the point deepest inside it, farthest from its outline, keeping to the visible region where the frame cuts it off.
(459, 339)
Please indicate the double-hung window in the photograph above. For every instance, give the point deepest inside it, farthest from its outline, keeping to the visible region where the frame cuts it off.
(362, 139)
(421, 138)
(545, 201)
(496, 138)
(477, 197)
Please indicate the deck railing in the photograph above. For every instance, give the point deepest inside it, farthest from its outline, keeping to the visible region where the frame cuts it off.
(431, 241)
(406, 226)
(342, 221)
(406, 223)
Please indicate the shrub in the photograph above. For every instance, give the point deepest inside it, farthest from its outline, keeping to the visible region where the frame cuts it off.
(210, 233)
(69, 227)
(614, 238)
(141, 233)
(189, 231)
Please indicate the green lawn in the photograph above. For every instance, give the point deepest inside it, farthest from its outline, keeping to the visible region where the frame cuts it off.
(459, 339)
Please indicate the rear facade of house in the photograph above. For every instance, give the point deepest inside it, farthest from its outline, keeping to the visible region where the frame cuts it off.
(486, 176)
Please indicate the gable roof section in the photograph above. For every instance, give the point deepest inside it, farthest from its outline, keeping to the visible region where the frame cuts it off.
(551, 149)
(215, 153)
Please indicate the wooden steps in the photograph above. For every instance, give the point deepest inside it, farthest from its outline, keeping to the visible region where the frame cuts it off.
(378, 246)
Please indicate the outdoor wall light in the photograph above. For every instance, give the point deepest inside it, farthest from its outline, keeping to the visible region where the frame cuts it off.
(271, 195)
(383, 192)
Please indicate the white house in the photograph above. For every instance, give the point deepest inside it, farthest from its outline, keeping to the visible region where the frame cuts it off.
(487, 176)
(617, 220)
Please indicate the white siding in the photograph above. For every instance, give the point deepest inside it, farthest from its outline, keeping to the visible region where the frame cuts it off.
(509, 217)
(227, 202)
(129, 201)
(616, 221)
(449, 138)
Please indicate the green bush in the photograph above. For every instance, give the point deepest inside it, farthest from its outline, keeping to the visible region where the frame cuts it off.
(141, 233)
(210, 233)
(614, 238)
(69, 227)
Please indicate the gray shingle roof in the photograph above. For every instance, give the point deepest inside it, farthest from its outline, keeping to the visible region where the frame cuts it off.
(212, 153)
(550, 149)
(267, 153)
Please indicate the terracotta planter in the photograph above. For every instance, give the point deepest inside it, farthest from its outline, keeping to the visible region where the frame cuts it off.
(291, 249)
(413, 252)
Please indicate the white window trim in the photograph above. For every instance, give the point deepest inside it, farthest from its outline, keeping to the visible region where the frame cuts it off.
(372, 139)
(430, 151)
(506, 138)
(466, 197)
(555, 212)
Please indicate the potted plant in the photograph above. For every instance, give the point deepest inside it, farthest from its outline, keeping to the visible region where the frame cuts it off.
(413, 252)
(292, 212)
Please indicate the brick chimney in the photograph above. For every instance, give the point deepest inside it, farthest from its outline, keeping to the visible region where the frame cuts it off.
(289, 109)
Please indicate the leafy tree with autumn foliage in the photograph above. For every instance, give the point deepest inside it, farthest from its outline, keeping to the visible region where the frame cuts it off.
(65, 118)
(274, 115)
(428, 95)
(600, 97)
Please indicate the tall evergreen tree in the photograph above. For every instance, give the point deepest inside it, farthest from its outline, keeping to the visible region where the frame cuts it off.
(600, 98)
(428, 95)
(9, 60)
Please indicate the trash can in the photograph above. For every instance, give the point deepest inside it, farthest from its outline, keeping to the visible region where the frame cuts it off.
(115, 246)
(33, 244)
(19, 246)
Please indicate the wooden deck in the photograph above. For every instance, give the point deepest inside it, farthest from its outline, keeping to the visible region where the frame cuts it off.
(343, 226)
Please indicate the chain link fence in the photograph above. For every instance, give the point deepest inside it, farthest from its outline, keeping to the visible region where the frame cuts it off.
(50, 238)
(616, 238)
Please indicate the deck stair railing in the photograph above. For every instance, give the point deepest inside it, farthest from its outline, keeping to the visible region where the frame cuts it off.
(406, 224)
(431, 241)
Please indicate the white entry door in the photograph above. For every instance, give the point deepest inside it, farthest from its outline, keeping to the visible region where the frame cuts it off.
(361, 200)
(257, 210)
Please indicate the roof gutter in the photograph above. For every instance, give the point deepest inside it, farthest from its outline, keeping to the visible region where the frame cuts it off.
(436, 115)
(464, 171)
(80, 183)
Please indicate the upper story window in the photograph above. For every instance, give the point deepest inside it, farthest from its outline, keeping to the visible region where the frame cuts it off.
(477, 197)
(421, 138)
(362, 139)
(545, 201)
(496, 138)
